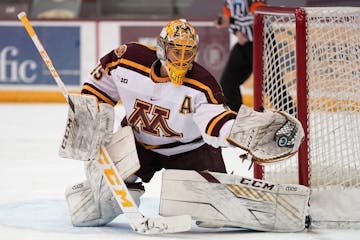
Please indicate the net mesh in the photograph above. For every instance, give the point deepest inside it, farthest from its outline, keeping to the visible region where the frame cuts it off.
(333, 81)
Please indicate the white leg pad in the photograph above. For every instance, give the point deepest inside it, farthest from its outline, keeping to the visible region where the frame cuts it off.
(91, 203)
(219, 200)
(122, 151)
(88, 208)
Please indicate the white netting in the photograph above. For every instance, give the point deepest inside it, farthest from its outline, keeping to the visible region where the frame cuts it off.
(333, 72)
(279, 82)
(333, 107)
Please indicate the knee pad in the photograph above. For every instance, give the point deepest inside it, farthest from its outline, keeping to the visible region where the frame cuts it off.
(89, 208)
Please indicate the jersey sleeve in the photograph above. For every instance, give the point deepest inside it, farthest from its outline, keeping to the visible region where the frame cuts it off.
(211, 115)
(100, 82)
(215, 122)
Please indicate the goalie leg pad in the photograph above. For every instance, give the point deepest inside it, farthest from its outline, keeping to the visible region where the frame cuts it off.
(122, 151)
(217, 199)
(90, 208)
(91, 203)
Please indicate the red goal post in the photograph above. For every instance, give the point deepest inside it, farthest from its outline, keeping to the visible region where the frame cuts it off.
(307, 63)
(300, 27)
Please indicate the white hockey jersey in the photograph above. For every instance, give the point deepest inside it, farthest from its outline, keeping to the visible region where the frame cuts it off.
(166, 118)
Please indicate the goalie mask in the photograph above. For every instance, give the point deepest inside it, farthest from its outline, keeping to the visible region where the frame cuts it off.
(176, 48)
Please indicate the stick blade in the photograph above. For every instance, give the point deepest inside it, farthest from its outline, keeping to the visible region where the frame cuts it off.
(174, 224)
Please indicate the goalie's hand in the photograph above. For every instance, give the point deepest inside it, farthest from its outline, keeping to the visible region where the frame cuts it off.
(89, 126)
(268, 136)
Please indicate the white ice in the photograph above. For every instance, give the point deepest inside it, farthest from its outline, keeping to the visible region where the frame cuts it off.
(33, 179)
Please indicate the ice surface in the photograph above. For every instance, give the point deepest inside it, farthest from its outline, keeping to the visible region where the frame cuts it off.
(33, 179)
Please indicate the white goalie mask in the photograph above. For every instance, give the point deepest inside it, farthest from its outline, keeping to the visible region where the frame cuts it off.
(176, 48)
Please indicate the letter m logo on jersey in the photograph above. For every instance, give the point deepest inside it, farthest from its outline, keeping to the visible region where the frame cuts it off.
(156, 123)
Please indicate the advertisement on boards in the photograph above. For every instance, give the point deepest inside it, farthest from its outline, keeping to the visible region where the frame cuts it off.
(21, 64)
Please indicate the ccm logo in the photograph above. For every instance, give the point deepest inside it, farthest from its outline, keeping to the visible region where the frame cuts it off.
(257, 184)
(67, 133)
(114, 180)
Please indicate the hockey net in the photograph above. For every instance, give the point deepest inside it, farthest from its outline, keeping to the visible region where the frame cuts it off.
(307, 64)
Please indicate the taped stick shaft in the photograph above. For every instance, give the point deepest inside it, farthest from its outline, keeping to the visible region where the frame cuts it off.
(30, 30)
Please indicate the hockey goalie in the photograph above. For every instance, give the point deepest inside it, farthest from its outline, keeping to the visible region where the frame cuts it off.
(176, 118)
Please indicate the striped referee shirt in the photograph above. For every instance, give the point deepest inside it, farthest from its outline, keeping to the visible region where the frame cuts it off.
(241, 15)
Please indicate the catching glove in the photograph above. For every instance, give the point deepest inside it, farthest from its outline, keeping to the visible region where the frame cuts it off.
(268, 136)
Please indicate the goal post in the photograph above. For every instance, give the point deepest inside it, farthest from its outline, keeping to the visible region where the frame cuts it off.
(307, 63)
(261, 36)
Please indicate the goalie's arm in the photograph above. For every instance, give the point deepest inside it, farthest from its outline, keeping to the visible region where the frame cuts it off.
(215, 122)
(91, 118)
(101, 82)
(267, 136)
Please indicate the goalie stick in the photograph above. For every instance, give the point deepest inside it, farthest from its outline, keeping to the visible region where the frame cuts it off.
(138, 222)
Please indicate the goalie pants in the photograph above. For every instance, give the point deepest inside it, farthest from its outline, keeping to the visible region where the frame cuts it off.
(204, 158)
